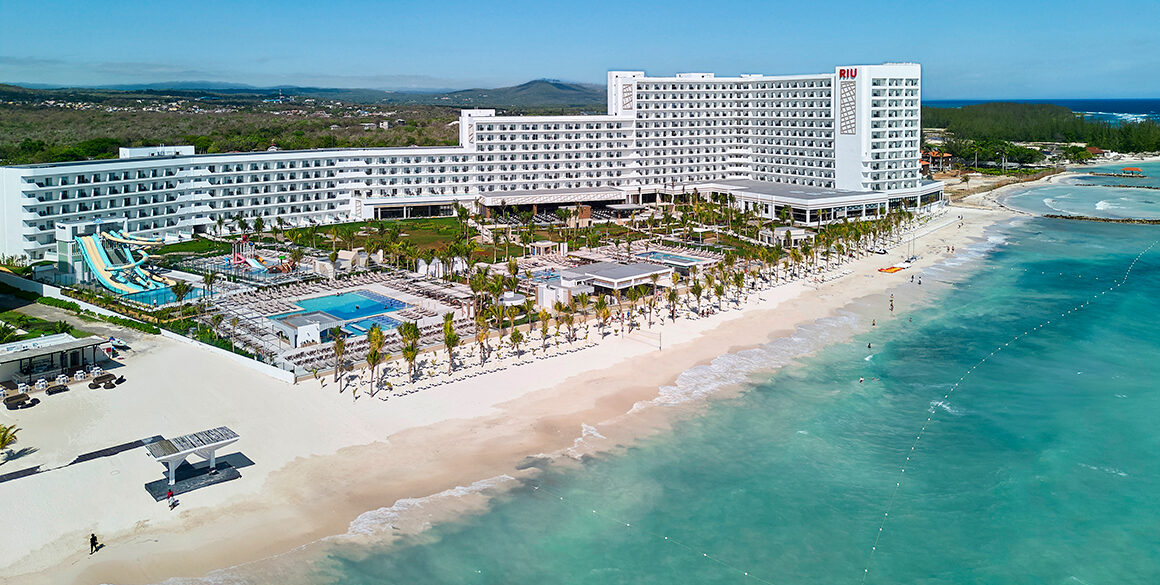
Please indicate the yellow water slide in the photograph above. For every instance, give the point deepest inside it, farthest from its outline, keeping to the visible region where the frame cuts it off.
(95, 258)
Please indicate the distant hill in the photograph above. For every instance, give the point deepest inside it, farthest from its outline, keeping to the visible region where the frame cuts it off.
(539, 93)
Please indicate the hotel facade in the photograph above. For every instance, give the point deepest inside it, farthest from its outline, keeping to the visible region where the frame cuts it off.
(826, 147)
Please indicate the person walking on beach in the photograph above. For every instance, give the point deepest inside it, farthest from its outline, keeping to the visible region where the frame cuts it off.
(93, 546)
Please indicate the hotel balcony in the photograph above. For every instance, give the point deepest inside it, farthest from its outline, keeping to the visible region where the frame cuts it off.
(191, 173)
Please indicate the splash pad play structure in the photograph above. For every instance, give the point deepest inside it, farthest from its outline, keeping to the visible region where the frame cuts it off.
(243, 254)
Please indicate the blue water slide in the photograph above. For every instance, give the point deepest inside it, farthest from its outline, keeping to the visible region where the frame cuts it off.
(144, 278)
(98, 262)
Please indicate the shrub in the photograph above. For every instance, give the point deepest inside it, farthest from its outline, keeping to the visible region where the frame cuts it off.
(59, 303)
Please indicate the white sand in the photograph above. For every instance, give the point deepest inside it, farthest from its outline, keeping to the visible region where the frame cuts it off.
(321, 459)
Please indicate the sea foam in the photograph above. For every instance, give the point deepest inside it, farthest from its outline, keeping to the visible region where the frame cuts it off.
(378, 521)
(735, 368)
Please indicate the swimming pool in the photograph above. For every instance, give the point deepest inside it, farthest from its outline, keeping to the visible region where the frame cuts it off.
(349, 306)
(384, 322)
(672, 259)
(548, 275)
(162, 296)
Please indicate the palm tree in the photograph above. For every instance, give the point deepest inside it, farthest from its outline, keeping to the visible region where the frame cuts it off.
(498, 313)
(517, 338)
(409, 331)
(259, 224)
(7, 439)
(633, 296)
(181, 289)
(530, 311)
(513, 312)
(375, 341)
(339, 348)
(570, 323)
(719, 291)
(209, 280)
(602, 312)
(775, 255)
(450, 339)
(296, 256)
(374, 358)
(697, 289)
(673, 297)
(582, 301)
(543, 316)
(411, 353)
(481, 336)
(234, 328)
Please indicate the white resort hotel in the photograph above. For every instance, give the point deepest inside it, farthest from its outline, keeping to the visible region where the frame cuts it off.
(825, 147)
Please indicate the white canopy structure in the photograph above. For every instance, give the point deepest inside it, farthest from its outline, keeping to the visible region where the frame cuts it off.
(173, 452)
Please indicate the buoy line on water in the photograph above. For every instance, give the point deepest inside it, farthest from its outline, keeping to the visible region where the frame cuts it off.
(918, 436)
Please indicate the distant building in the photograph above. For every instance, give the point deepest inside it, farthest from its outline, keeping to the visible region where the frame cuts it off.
(823, 147)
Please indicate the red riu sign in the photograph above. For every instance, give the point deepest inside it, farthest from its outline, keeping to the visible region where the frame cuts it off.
(847, 73)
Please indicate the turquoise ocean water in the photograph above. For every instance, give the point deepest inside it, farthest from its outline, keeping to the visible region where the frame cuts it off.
(1096, 196)
(1040, 467)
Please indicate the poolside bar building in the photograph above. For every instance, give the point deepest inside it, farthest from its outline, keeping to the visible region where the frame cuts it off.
(47, 357)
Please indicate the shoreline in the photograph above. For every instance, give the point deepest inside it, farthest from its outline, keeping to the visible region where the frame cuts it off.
(497, 427)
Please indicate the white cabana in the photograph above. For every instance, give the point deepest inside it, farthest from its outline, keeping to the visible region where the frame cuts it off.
(173, 452)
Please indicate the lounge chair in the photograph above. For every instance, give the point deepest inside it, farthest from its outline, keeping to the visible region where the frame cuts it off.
(15, 401)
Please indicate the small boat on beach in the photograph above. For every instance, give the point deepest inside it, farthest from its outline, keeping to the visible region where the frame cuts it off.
(900, 266)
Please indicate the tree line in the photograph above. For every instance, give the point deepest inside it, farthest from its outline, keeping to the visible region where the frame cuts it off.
(1003, 121)
(40, 135)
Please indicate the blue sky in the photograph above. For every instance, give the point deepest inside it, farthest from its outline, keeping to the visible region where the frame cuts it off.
(1009, 49)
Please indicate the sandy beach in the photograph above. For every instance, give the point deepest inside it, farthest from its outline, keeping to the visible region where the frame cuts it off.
(322, 459)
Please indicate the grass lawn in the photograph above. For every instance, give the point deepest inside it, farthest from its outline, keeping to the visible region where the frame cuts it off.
(430, 233)
(197, 246)
(37, 327)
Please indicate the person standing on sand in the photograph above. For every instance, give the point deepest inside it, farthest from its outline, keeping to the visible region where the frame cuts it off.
(93, 543)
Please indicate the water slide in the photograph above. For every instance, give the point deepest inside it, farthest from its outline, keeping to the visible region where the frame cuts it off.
(126, 277)
(97, 261)
(142, 276)
(255, 264)
(118, 237)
